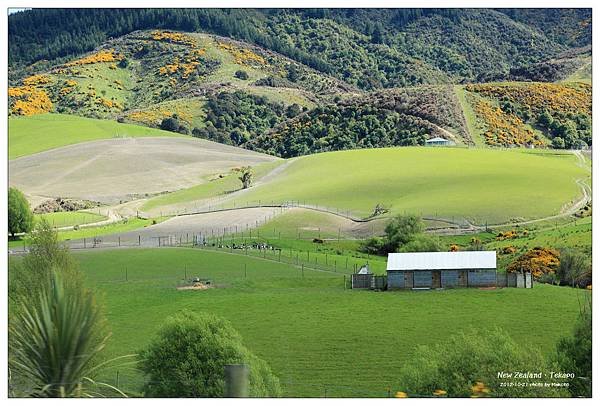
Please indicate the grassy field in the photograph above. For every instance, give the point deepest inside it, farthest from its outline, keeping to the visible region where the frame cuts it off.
(214, 187)
(28, 135)
(319, 338)
(91, 232)
(478, 184)
(71, 218)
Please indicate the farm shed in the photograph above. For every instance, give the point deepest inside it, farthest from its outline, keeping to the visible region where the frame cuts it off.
(432, 270)
(438, 141)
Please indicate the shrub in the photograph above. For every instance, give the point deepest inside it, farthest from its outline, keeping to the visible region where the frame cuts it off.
(538, 261)
(574, 268)
(170, 124)
(45, 255)
(56, 339)
(20, 217)
(575, 354)
(422, 243)
(188, 357)
(241, 74)
(467, 364)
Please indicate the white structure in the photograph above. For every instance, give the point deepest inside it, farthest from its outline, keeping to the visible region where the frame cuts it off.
(430, 261)
(439, 141)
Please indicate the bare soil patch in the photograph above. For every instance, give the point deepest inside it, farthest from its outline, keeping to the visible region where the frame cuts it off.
(116, 170)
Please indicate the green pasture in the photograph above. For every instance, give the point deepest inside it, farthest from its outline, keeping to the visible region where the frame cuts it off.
(28, 135)
(477, 184)
(70, 218)
(319, 338)
(213, 187)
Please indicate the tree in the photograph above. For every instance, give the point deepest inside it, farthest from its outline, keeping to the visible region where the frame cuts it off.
(46, 256)
(538, 261)
(467, 364)
(20, 217)
(377, 36)
(402, 229)
(241, 74)
(188, 356)
(245, 176)
(574, 267)
(422, 243)
(558, 143)
(575, 353)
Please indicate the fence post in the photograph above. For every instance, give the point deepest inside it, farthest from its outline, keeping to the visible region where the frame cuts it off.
(84, 243)
(236, 381)
(119, 241)
(139, 240)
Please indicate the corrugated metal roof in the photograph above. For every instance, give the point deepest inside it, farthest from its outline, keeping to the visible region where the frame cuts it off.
(437, 139)
(414, 261)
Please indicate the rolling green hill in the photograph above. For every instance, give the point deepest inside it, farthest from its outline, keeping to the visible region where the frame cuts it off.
(28, 135)
(477, 184)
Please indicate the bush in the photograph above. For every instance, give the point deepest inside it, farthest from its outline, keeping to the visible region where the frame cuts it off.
(20, 217)
(170, 124)
(467, 364)
(241, 74)
(56, 339)
(575, 354)
(46, 254)
(422, 243)
(188, 357)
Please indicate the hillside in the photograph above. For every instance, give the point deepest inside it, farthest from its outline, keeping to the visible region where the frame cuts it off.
(30, 135)
(367, 47)
(478, 185)
(295, 82)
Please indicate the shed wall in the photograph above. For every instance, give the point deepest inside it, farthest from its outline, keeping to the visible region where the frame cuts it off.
(449, 279)
(422, 279)
(395, 279)
(483, 278)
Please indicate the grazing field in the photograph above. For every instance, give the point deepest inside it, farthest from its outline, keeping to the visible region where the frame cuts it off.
(31, 134)
(319, 338)
(124, 169)
(70, 218)
(477, 184)
(213, 187)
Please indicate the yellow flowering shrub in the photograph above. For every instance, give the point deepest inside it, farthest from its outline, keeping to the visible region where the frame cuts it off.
(538, 261)
(105, 55)
(242, 56)
(37, 80)
(504, 130)
(174, 37)
(28, 101)
(564, 98)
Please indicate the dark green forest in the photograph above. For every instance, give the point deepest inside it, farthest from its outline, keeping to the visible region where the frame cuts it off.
(369, 48)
